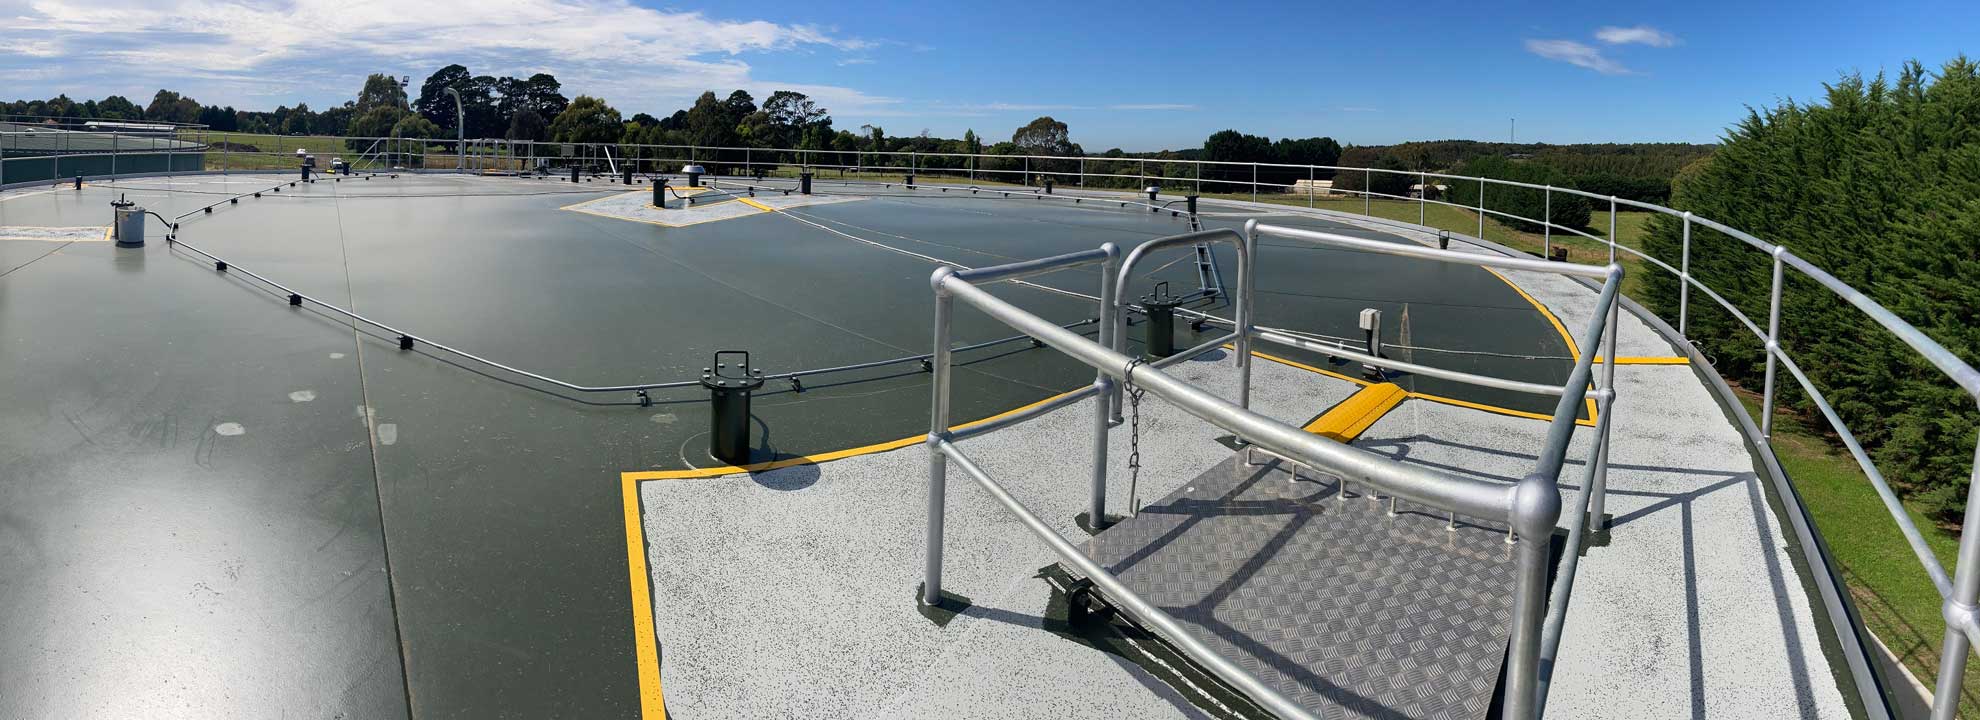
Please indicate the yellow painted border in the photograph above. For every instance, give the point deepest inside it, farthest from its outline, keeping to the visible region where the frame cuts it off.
(1573, 350)
(755, 204)
(1351, 417)
(1494, 409)
(652, 703)
(721, 470)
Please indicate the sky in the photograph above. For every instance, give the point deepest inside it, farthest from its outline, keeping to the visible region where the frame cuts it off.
(1137, 76)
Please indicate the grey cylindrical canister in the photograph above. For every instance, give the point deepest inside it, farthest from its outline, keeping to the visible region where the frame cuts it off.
(730, 386)
(694, 173)
(129, 224)
(804, 183)
(1159, 333)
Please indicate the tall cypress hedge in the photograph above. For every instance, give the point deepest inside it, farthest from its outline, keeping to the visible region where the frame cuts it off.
(1879, 185)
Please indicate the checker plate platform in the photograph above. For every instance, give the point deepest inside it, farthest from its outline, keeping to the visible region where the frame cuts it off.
(1342, 608)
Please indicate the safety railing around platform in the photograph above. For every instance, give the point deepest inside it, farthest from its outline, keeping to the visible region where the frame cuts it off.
(1529, 508)
(1270, 185)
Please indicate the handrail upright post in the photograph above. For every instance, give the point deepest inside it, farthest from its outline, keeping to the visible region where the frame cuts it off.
(1958, 610)
(1104, 410)
(1684, 279)
(1481, 208)
(1367, 186)
(1773, 348)
(1598, 488)
(1612, 229)
(1242, 313)
(1547, 223)
(1536, 506)
(1422, 198)
(938, 429)
(1254, 182)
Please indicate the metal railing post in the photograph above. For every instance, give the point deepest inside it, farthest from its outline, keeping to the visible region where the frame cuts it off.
(1684, 278)
(1422, 198)
(1082, 172)
(1242, 314)
(1612, 228)
(938, 428)
(1103, 394)
(1481, 208)
(1254, 182)
(1536, 506)
(113, 156)
(1598, 485)
(1309, 187)
(1958, 610)
(1773, 347)
(1547, 223)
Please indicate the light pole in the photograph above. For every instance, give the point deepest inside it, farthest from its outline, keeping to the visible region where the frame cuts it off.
(460, 130)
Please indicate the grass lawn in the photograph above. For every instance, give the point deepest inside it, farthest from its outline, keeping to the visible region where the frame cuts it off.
(1891, 590)
(1893, 594)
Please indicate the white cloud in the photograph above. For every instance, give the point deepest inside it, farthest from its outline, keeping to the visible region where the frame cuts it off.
(1641, 35)
(1577, 54)
(595, 46)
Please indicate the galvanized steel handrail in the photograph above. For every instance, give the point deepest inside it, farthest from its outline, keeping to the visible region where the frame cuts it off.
(1529, 508)
(1961, 595)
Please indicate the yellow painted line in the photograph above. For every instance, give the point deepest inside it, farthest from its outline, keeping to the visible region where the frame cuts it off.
(721, 470)
(1573, 350)
(1353, 416)
(652, 703)
(1421, 395)
(755, 204)
(1627, 360)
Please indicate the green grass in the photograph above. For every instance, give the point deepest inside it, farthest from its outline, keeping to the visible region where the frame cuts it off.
(278, 152)
(1891, 591)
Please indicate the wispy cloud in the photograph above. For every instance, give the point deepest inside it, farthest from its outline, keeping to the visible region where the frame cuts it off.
(1577, 54)
(856, 61)
(1360, 109)
(661, 57)
(1639, 35)
(1151, 106)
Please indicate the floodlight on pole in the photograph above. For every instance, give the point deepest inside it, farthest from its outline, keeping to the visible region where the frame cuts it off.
(460, 130)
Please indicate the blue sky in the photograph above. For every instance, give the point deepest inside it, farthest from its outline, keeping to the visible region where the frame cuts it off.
(1139, 76)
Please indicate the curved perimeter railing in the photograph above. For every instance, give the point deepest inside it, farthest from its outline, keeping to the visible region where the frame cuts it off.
(1959, 591)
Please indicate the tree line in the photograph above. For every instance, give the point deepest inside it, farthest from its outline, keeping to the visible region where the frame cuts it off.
(1877, 186)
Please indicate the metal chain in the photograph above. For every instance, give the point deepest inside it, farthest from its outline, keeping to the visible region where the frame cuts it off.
(1134, 394)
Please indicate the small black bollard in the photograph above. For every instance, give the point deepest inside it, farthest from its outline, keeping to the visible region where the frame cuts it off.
(660, 194)
(1159, 334)
(574, 171)
(78, 181)
(1192, 204)
(627, 172)
(1048, 186)
(804, 183)
(729, 391)
(910, 180)
(1443, 239)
